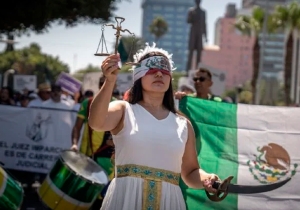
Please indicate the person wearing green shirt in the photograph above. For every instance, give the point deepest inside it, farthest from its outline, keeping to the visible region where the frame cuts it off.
(97, 145)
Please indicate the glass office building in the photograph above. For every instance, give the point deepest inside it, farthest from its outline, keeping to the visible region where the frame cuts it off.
(175, 14)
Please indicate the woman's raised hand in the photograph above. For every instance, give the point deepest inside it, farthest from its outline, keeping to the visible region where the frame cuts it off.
(110, 67)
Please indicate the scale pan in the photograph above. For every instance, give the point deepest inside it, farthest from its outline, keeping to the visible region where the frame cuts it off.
(101, 54)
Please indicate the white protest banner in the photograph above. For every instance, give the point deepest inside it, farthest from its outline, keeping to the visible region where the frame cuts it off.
(22, 82)
(31, 139)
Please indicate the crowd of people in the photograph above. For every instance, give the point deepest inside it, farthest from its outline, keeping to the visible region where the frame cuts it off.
(55, 97)
(47, 95)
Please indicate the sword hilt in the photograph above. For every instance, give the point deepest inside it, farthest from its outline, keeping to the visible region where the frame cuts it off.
(216, 185)
(222, 190)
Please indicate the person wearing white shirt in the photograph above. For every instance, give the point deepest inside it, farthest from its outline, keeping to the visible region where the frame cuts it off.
(66, 97)
(55, 101)
(43, 95)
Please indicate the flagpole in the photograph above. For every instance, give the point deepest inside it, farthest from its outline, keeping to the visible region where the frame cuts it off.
(262, 54)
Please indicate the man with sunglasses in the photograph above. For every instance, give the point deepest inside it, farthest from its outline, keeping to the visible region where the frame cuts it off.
(55, 101)
(202, 83)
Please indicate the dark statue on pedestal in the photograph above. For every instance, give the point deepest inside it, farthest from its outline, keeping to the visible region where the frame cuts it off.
(197, 20)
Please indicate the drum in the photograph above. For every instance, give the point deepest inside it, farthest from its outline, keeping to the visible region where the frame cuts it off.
(11, 192)
(74, 182)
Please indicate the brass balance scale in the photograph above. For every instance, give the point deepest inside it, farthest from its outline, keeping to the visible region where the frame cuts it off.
(119, 29)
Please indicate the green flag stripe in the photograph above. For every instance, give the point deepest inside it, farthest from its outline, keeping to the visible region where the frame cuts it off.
(215, 126)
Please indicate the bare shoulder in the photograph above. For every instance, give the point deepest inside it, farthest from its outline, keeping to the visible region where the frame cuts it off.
(190, 126)
(188, 122)
(117, 105)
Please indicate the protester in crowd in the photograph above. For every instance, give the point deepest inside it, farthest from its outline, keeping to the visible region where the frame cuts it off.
(117, 94)
(25, 92)
(33, 96)
(150, 137)
(78, 98)
(43, 95)
(6, 96)
(98, 145)
(88, 94)
(67, 97)
(24, 100)
(55, 101)
(188, 89)
(16, 97)
(202, 83)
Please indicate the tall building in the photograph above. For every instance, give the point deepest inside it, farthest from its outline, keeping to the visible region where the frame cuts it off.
(175, 14)
(232, 52)
(273, 63)
(230, 11)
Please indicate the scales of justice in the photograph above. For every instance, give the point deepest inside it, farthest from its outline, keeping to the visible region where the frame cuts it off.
(119, 29)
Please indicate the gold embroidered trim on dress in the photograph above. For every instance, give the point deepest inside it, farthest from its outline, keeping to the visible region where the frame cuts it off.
(152, 182)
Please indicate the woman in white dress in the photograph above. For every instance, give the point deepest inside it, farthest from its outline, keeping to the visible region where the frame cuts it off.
(154, 145)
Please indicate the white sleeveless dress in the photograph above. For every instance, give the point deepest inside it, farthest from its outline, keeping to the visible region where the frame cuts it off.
(146, 141)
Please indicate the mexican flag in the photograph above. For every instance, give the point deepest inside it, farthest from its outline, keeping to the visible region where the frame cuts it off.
(258, 145)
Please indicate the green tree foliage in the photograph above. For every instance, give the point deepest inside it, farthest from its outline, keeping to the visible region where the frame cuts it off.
(230, 93)
(245, 97)
(19, 17)
(176, 76)
(158, 27)
(30, 60)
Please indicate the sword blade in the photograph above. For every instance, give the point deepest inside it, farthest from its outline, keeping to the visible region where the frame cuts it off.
(251, 189)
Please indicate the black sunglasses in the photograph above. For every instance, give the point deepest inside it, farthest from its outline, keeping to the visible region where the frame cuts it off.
(201, 79)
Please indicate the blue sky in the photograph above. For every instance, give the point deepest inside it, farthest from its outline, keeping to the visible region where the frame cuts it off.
(76, 46)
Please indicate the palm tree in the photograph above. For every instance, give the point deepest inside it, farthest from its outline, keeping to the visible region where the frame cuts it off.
(158, 27)
(288, 18)
(252, 26)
